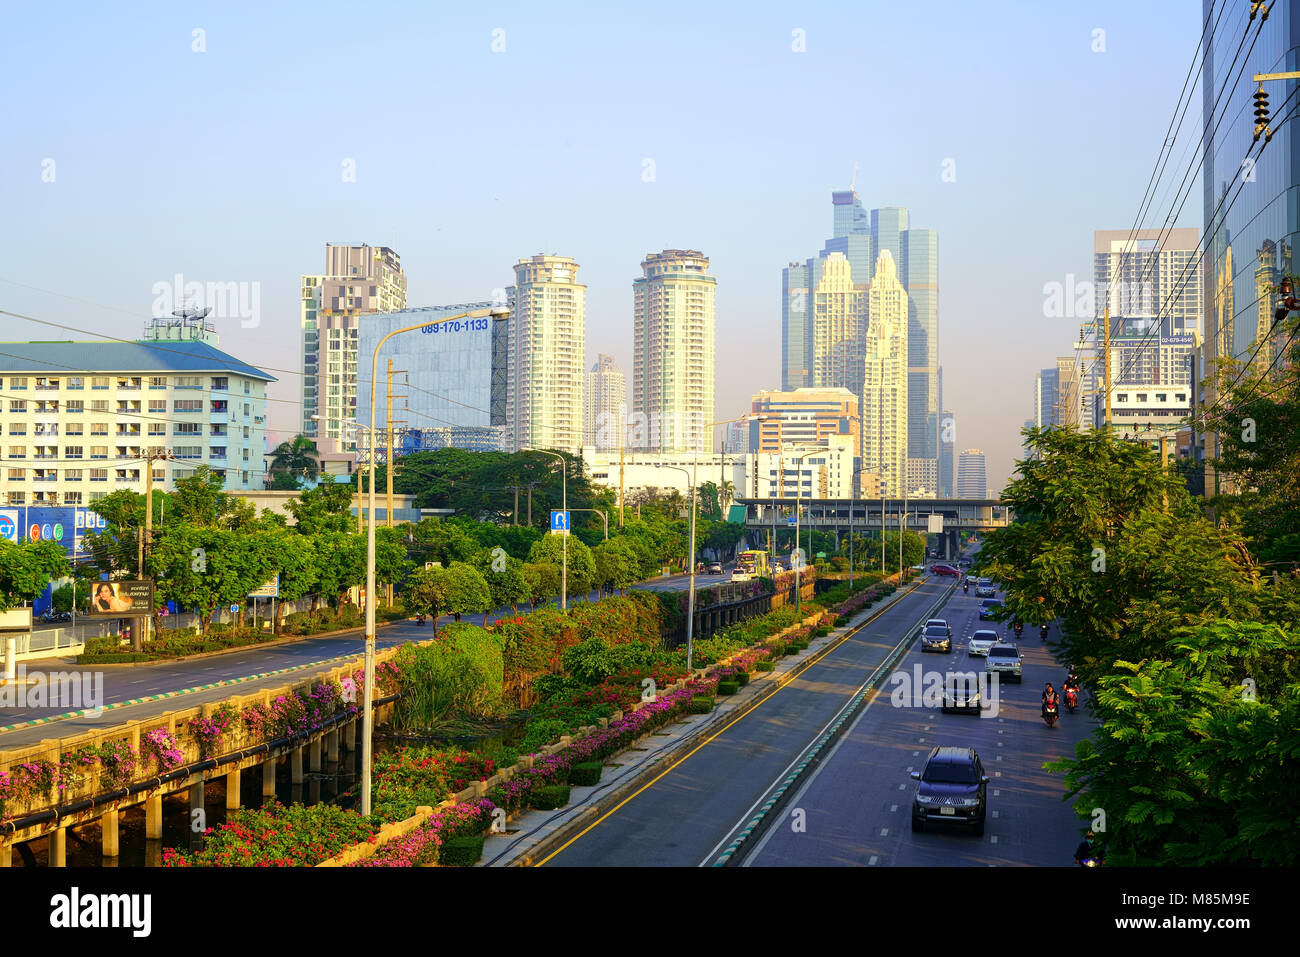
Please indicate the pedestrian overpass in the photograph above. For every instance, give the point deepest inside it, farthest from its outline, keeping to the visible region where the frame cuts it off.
(945, 517)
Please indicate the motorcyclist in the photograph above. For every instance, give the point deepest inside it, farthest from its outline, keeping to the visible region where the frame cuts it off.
(1019, 626)
(1049, 697)
(965, 588)
(1086, 852)
(1071, 680)
(1042, 632)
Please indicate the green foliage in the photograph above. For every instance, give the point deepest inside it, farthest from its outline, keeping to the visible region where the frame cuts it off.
(728, 687)
(463, 851)
(26, 570)
(550, 797)
(586, 774)
(701, 704)
(460, 674)
(581, 566)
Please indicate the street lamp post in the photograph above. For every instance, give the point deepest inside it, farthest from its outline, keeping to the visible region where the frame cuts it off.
(853, 498)
(496, 313)
(798, 564)
(690, 559)
(564, 539)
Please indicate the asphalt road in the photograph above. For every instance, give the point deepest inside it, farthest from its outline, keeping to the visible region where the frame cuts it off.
(857, 802)
(682, 817)
(122, 683)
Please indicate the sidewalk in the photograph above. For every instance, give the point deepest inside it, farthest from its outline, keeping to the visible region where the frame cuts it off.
(533, 835)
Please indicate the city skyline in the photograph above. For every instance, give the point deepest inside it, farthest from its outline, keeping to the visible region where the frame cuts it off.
(981, 180)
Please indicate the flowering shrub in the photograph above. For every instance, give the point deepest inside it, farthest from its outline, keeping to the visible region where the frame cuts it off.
(420, 846)
(117, 762)
(277, 836)
(161, 748)
(410, 777)
(210, 731)
(296, 713)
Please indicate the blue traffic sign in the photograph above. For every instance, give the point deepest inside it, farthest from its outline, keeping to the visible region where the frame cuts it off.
(7, 528)
(559, 521)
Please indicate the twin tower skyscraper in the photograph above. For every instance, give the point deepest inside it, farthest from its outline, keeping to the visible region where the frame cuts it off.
(864, 315)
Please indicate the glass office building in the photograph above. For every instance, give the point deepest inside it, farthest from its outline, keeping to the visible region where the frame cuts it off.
(451, 377)
(1251, 189)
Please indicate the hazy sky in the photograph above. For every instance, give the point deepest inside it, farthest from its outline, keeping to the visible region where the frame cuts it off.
(228, 165)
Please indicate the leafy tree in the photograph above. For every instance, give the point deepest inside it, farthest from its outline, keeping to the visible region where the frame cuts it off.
(458, 589)
(325, 508)
(543, 581)
(505, 580)
(284, 482)
(581, 566)
(26, 570)
(617, 565)
(1110, 543)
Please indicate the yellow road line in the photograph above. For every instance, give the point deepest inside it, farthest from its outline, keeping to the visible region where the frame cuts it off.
(781, 683)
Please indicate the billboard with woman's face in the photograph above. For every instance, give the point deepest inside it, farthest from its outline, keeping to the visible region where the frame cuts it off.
(125, 599)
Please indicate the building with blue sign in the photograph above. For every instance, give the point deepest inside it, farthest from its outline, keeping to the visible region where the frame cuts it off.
(451, 376)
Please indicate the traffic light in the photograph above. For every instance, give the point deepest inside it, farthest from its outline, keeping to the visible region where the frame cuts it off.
(1261, 115)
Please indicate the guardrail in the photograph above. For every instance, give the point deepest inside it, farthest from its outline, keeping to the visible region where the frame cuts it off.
(50, 643)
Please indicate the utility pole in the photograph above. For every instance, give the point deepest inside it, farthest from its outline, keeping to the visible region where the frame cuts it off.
(515, 518)
(389, 459)
(530, 504)
(622, 446)
(140, 635)
(1106, 365)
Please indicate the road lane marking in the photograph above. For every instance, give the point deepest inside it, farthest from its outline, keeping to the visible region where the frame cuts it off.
(872, 861)
(893, 807)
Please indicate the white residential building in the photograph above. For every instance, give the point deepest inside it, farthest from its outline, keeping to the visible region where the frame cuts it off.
(605, 405)
(73, 436)
(545, 382)
(673, 346)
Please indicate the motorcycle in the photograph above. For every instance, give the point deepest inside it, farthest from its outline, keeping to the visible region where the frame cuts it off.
(1090, 862)
(1071, 698)
(965, 588)
(1019, 627)
(1042, 632)
(1050, 713)
(419, 619)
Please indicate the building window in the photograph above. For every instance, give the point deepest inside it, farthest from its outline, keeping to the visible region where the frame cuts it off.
(157, 428)
(75, 407)
(158, 382)
(99, 451)
(17, 405)
(187, 405)
(72, 451)
(157, 406)
(99, 405)
(72, 475)
(99, 428)
(189, 382)
(76, 382)
(71, 498)
(18, 451)
(18, 382)
(187, 428)
(98, 475)
(17, 475)
(99, 382)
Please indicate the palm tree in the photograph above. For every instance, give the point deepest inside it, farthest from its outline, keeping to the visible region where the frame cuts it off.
(297, 457)
(728, 492)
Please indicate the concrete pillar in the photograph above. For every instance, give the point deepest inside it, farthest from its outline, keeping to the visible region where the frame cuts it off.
(350, 736)
(295, 766)
(153, 818)
(111, 847)
(268, 778)
(196, 804)
(59, 847)
(332, 747)
(6, 854)
(313, 754)
(232, 790)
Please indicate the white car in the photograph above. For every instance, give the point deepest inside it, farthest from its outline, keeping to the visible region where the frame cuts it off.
(1004, 659)
(981, 641)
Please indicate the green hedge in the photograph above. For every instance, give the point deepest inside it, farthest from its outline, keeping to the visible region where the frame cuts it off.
(701, 705)
(550, 797)
(461, 851)
(586, 774)
(765, 666)
(728, 687)
(742, 678)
